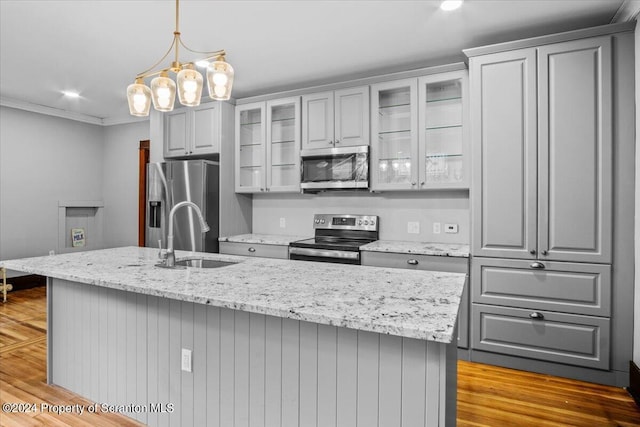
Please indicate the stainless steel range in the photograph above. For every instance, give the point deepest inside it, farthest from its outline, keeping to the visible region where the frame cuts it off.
(337, 238)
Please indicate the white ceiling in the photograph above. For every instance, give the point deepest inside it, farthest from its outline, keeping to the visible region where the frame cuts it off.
(97, 47)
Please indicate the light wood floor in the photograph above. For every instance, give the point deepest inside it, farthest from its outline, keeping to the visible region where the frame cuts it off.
(487, 395)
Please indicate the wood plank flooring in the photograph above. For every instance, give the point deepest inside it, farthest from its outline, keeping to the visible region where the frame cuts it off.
(487, 395)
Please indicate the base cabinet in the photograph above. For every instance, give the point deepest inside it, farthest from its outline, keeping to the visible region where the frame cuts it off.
(429, 263)
(255, 250)
(544, 335)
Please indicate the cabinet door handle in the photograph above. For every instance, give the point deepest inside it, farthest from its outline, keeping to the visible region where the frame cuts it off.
(337, 141)
(537, 316)
(413, 183)
(544, 252)
(532, 251)
(412, 261)
(422, 183)
(251, 249)
(537, 265)
(330, 142)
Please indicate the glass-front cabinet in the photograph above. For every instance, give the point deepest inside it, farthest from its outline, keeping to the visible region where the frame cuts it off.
(268, 146)
(394, 144)
(419, 133)
(250, 147)
(442, 141)
(283, 145)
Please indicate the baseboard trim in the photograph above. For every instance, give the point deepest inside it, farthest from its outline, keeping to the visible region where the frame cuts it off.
(26, 282)
(634, 382)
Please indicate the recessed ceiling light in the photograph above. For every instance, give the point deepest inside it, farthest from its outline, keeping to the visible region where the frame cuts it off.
(70, 94)
(450, 4)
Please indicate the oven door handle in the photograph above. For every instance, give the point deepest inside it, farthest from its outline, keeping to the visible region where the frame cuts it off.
(325, 253)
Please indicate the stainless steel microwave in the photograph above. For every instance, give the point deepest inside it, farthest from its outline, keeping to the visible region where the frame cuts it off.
(335, 168)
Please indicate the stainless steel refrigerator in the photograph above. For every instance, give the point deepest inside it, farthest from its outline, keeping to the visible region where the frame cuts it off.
(172, 182)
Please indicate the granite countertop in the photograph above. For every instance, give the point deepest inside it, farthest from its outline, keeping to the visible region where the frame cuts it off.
(413, 304)
(418, 248)
(265, 239)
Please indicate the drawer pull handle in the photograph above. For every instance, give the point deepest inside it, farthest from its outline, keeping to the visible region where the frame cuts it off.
(412, 261)
(537, 316)
(537, 265)
(251, 249)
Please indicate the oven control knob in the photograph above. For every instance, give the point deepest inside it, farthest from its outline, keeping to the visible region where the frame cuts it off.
(322, 221)
(373, 222)
(359, 222)
(366, 222)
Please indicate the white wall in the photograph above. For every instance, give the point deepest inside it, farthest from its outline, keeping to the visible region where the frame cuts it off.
(394, 209)
(120, 178)
(43, 159)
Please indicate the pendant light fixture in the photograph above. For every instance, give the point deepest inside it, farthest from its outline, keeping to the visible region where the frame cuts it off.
(188, 83)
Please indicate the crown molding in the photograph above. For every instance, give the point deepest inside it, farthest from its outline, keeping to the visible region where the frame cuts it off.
(70, 115)
(122, 120)
(628, 11)
(49, 111)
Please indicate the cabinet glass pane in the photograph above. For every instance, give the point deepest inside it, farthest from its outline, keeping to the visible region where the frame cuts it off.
(283, 153)
(394, 136)
(443, 141)
(283, 175)
(443, 133)
(251, 155)
(250, 176)
(444, 169)
(250, 127)
(394, 171)
(282, 123)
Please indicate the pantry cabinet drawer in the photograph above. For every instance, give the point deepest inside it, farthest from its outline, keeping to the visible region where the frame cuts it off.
(555, 337)
(257, 250)
(555, 286)
(415, 262)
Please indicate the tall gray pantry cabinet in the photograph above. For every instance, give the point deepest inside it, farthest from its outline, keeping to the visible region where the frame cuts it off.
(544, 132)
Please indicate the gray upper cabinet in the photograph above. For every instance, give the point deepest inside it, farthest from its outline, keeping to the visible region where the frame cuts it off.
(192, 131)
(336, 118)
(542, 152)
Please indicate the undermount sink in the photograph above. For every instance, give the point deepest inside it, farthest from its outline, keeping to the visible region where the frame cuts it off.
(199, 263)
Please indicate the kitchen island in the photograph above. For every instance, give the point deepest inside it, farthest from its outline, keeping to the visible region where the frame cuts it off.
(270, 342)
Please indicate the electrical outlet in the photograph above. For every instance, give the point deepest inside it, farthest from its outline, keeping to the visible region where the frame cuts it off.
(186, 360)
(436, 228)
(451, 228)
(283, 223)
(413, 227)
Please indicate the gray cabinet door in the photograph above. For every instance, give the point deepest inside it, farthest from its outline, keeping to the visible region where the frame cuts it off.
(206, 129)
(503, 126)
(575, 187)
(176, 133)
(317, 120)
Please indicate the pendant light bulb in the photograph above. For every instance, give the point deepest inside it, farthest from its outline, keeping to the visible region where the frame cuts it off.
(163, 93)
(189, 86)
(139, 99)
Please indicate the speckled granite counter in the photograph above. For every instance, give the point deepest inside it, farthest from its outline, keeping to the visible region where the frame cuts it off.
(413, 304)
(265, 239)
(419, 248)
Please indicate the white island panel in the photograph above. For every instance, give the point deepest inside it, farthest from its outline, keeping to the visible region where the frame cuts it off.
(248, 369)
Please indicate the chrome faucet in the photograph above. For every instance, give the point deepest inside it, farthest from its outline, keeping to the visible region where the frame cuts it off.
(170, 259)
